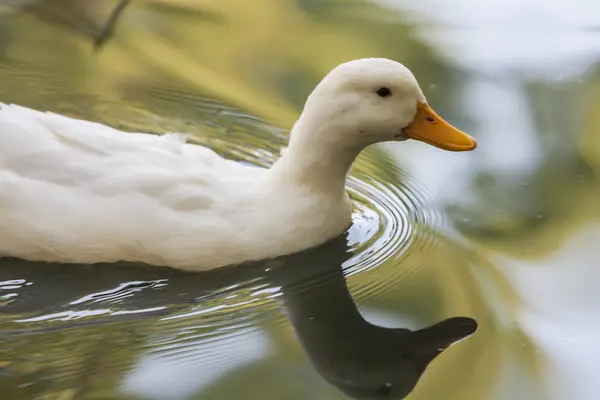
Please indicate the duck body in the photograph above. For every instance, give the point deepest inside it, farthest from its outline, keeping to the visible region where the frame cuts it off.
(75, 191)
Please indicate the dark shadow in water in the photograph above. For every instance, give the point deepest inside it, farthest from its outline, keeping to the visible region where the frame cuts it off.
(73, 15)
(83, 18)
(363, 360)
(108, 27)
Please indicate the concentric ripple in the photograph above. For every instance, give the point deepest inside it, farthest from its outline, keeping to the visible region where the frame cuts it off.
(393, 219)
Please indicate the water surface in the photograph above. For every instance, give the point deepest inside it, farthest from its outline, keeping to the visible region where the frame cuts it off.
(506, 235)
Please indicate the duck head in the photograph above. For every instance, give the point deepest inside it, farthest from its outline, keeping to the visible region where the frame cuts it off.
(373, 100)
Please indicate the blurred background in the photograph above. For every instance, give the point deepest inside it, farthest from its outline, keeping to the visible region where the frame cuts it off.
(508, 234)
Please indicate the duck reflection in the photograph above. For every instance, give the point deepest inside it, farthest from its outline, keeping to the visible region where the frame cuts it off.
(362, 360)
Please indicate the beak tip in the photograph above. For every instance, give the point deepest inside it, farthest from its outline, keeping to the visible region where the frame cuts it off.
(474, 144)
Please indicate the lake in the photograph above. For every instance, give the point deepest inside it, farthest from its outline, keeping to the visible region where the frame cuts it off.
(506, 236)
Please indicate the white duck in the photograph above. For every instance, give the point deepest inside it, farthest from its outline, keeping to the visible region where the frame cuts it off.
(74, 191)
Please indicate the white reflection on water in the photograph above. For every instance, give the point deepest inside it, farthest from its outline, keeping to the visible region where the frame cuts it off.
(561, 313)
(173, 372)
(535, 35)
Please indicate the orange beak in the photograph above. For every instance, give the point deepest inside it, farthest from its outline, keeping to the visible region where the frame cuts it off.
(430, 128)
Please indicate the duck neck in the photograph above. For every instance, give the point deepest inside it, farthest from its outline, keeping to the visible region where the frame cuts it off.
(315, 160)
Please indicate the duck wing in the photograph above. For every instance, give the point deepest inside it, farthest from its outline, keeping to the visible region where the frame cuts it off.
(74, 190)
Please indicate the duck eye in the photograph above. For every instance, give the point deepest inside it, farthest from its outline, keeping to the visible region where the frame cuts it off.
(384, 92)
(385, 389)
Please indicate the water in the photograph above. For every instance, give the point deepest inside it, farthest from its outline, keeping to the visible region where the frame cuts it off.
(506, 235)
